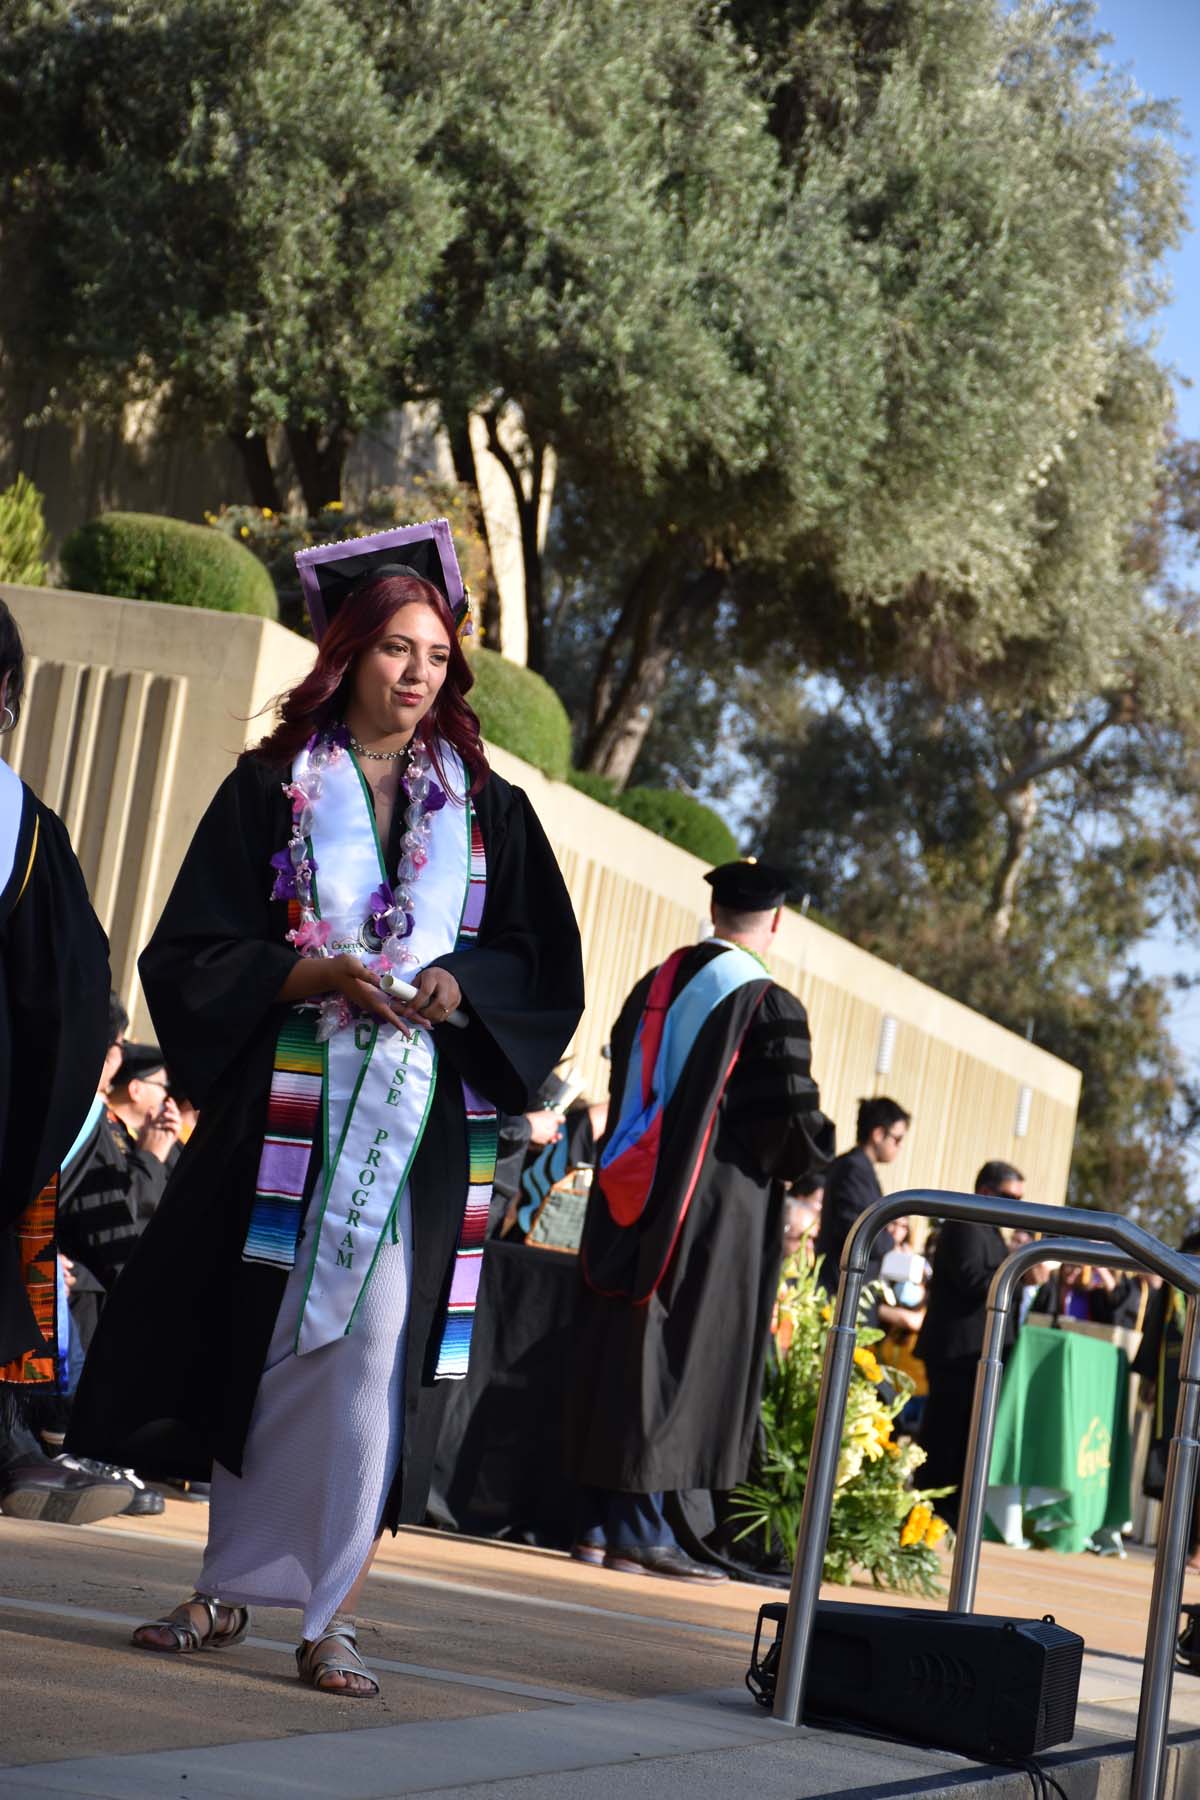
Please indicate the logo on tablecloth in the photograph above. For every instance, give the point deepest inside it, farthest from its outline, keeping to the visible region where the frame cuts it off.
(1095, 1451)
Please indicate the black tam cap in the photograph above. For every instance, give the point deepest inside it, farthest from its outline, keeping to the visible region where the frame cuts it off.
(138, 1060)
(748, 886)
(331, 572)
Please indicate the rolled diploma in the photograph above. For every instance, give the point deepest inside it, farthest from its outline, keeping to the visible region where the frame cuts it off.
(404, 990)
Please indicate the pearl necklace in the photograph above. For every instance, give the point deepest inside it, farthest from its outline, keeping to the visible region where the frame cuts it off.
(380, 755)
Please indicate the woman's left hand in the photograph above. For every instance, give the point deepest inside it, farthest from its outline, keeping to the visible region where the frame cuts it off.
(437, 996)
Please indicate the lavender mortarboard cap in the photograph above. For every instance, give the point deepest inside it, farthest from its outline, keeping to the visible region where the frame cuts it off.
(331, 572)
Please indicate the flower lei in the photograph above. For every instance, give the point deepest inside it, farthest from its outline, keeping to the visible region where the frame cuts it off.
(390, 917)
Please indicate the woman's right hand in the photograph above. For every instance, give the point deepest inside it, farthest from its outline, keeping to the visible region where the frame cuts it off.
(358, 984)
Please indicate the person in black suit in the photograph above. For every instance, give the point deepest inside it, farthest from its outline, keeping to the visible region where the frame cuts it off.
(950, 1342)
(853, 1184)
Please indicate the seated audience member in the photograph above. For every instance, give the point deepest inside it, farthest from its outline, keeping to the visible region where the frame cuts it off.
(115, 1180)
(965, 1258)
(802, 1215)
(900, 1314)
(552, 1158)
(1101, 1296)
(852, 1185)
(1033, 1278)
(799, 1226)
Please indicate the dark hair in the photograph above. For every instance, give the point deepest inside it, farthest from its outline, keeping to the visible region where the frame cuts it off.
(118, 1021)
(359, 623)
(875, 1113)
(993, 1173)
(12, 661)
(806, 1187)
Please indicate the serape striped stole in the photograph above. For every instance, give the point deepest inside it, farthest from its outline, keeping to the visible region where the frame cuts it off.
(37, 1251)
(482, 1136)
(294, 1112)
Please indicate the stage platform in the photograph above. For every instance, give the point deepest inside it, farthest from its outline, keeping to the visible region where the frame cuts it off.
(508, 1673)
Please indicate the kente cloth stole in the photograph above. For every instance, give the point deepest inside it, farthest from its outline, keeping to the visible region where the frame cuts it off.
(369, 1089)
(39, 1272)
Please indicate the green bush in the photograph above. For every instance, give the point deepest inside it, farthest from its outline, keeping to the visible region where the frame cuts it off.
(141, 556)
(22, 534)
(596, 787)
(521, 712)
(686, 822)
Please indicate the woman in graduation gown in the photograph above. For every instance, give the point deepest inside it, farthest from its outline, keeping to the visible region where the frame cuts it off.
(308, 1281)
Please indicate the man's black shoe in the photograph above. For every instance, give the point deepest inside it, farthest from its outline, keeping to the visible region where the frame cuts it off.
(60, 1493)
(667, 1560)
(146, 1502)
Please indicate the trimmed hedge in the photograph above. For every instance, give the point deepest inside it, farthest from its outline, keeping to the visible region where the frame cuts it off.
(596, 787)
(142, 556)
(686, 822)
(521, 712)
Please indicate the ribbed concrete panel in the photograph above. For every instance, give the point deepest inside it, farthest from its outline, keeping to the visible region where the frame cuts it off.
(101, 746)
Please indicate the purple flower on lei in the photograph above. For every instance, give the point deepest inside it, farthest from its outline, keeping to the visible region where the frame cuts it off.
(285, 876)
(381, 901)
(434, 800)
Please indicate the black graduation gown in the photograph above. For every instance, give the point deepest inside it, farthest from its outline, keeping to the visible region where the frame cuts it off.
(171, 1376)
(53, 1035)
(665, 1394)
(1157, 1361)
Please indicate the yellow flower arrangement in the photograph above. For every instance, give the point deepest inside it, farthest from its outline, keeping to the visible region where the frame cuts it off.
(916, 1525)
(881, 1520)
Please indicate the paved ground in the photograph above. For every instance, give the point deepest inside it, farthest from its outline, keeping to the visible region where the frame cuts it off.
(507, 1671)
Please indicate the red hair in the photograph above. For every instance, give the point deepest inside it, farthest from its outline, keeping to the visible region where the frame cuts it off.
(360, 622)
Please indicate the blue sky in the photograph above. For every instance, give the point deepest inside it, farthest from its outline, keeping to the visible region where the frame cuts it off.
(1159, 41)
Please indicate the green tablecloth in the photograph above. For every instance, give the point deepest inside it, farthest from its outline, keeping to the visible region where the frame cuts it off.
(1063, 1422)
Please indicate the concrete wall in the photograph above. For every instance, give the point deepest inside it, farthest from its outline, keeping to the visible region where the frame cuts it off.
(136, 712)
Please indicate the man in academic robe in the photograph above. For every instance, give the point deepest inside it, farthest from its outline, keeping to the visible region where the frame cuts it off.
(713, 1108)
(965, 1259)
(853, 1185)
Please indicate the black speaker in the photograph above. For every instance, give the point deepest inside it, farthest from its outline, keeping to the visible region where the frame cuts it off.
(985, 1687)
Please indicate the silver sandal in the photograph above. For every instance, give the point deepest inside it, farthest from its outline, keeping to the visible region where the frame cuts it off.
(188, 1637)
(344, 1660)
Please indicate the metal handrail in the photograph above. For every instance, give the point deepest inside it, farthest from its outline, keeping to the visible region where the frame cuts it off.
(1056, 1221)
(976, 1463)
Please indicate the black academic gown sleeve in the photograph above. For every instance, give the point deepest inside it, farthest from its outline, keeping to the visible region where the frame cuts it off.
(522, 982)
(54, 984)
(773, 1103)
(216, 962)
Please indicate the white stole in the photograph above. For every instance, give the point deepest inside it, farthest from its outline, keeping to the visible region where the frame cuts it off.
(378, 1082)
